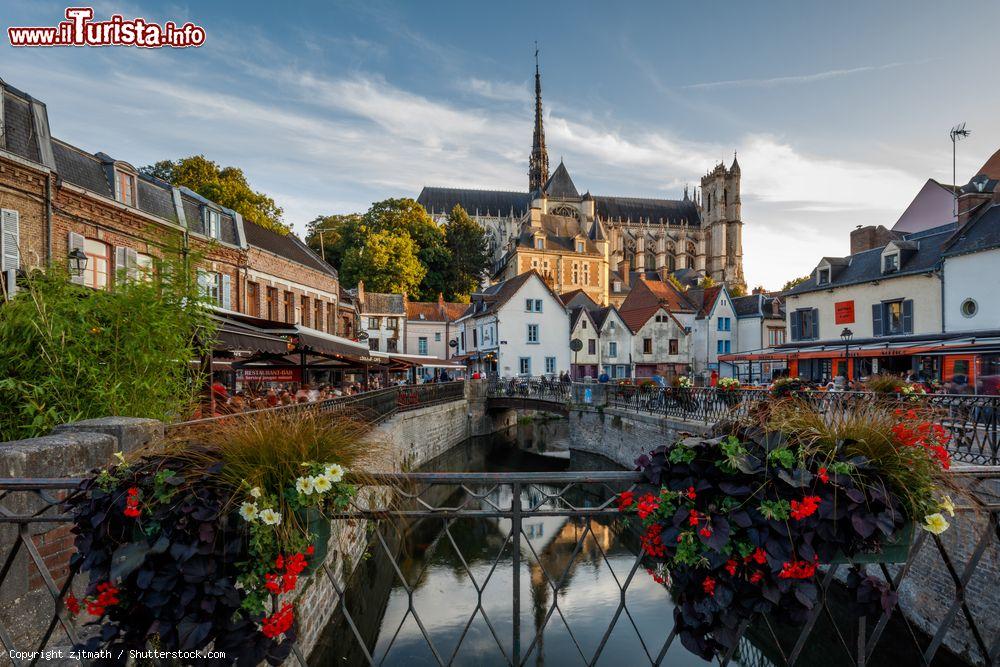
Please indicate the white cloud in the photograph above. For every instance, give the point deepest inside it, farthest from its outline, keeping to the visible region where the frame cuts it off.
(797, 79)
(501, 91)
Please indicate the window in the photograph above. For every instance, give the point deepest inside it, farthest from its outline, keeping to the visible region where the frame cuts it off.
(891, 318)
(422, 345)
(253, 299)
(674, 346)
(969, 308)
(208, 284)
(617, 286)
(373, 344)
(272, 303)
(373, 323)
(304, 311)
(437, 336)
(775, 336)
(822, 276)
(611, 325)
(392, 323)
(144, 266)
(583, 324)
(647, 346)
(98, 261)
(318, 314)
(724, 324)
(392, 345)
(289, 307)
(540, 244)
(524, 365)
(591, 346)
(475, 338)
(126, 188)
(533, 305)
(586, 273)
(213, 223)
(804, 324)
(10, 235)
(890, 263)
(331, 318)
(612, 349)
(550, 365)
(576, 273)
(533, 333)
(580, 246)
(722, 346)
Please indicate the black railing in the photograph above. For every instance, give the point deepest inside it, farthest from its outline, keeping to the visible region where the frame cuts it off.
(580, 507)
(536, 388)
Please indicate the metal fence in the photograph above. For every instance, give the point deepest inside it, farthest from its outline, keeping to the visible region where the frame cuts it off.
(580, 506)
(536, 388)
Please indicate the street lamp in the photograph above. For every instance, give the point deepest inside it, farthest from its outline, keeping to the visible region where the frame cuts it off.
(77, 262)
(846, 335)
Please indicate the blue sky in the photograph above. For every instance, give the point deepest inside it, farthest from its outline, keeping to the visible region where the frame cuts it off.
(839, 111)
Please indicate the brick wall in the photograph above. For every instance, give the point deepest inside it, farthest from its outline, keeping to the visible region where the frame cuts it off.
(269, 270)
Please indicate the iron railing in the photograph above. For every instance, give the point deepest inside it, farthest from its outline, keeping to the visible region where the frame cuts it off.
(961, 614)
(372, 406)
(536, 388)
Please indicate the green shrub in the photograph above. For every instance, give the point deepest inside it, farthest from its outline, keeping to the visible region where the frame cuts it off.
(68, 352)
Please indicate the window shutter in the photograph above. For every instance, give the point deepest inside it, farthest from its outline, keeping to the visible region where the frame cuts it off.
(796, 319)
(226, 291)
(876, 319)
(815, 323)
(132, 264)
(908, 316)
(76, 241)
(10, 240)
(121, 264)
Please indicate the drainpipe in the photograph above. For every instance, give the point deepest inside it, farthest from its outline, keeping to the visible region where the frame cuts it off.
(48, 219)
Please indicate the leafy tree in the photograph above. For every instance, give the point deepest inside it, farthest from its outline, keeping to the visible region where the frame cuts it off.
(737, 290)
(676, 283)
(325, 235)
(470, 258)
(69, 353)
(706, 282)
(227, 186)
(387, 262)
(793, 282)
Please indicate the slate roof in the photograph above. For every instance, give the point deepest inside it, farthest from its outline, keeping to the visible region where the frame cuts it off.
(668, 211)
(574, 315)
(380, 302)
(560, 234)
(560, 185)
(867, 266)
(483, 202)
(982, 233)
(19, 133)
(288, 246)
(494, 296)
(704, 299)
(757, 305)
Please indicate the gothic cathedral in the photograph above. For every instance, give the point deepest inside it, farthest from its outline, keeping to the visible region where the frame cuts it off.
(600, 244)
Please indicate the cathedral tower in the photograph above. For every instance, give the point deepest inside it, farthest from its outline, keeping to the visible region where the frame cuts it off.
(722, 220)
(538, 165)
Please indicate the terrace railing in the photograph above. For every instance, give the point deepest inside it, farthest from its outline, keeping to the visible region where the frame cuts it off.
(580, 506)
(535, 388)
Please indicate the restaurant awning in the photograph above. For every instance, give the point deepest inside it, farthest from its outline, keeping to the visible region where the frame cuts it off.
(235, 335)
(426, 361)
(925, 346)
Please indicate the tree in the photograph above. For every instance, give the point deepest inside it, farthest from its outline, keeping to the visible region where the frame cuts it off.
(793, 282)
(676, 283)
(386, 262)
(706, 282)
(470, 257)
(325, 235)
(737, 290)
(226, 186)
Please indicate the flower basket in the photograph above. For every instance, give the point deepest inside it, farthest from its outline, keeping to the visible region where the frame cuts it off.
(314, 521)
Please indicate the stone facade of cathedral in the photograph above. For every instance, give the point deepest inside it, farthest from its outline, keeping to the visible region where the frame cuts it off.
(601, 244)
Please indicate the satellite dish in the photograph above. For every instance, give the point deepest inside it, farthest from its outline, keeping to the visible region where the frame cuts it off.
(576, 345)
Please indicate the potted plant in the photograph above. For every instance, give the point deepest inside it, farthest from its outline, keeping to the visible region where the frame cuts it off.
(728, 389)
(209, 542)
(739, 524)
(785, 387)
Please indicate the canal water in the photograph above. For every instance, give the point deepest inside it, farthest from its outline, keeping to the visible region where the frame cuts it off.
(443, 571)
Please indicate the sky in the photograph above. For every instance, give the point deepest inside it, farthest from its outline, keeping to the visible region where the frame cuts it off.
(838, 112)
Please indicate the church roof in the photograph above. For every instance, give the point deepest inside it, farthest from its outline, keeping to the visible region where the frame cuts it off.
(669, 211)
(560, 185)
(481, 202)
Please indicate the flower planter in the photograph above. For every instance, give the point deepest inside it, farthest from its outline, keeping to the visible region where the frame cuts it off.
(895, 549)
(316, 524)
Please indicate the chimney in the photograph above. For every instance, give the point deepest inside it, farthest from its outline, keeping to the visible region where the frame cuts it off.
(970, 200)
(775, 307)
(866, 238)
(361, 293)
(623, 269)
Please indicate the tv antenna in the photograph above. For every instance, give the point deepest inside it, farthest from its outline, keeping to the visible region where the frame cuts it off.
(957, 134)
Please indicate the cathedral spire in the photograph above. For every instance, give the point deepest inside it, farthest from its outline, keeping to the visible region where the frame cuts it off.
(538, 164)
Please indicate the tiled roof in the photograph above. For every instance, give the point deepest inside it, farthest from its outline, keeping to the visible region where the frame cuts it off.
(704, 299)
(982, 233)
(482, 202)
(379, 302)
(288, 246)
(647, 297)
(867, 266)
(435, 311)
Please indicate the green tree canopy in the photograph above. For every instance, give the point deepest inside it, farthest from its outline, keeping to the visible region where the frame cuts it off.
(325, 235)
(737, 290)
(706, 282)
(386, 262)
(227, 186)
(470, 258)
(793, 282)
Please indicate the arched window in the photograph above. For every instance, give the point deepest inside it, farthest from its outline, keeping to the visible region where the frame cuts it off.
(691, 248)
(650, 261)
(725, 200)
(565, 211)
(671, 263)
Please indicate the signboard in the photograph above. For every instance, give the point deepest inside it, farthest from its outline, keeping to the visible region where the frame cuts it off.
(272, 374)
(843, 312)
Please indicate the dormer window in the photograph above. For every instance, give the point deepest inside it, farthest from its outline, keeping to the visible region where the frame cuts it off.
(539, 243)
(125, 188)
(213, 223)
(823, 276)
(890, 263)
(580, 246)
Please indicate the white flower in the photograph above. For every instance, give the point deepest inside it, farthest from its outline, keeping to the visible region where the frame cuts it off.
(935, 523)
(334, 472)
(270, 517)
(322, 483)
(248, 511)
(255, 492)
(948, 506)
(120, 457)
(305, 485)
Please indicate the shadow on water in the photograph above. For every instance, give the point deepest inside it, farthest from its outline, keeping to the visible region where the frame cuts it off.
(459, 581)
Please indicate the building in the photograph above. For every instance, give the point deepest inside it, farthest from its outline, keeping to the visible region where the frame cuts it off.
(713, 331)
(661, 342)
(591, 242)
(383, 319)
(430, 327)
(518, 327)
(760, 324)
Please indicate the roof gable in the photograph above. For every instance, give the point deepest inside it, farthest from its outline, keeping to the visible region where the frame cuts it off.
(560, 185)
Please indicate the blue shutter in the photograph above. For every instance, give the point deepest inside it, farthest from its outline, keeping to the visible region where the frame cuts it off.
(908, 316)
(795, 317)
(226, 288)
(876, 319)
(815, 323)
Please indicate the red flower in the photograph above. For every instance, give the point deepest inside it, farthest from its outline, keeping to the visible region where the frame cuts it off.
(756, 577)
(693, 518)
(647, 505)
(691, 494)
(72, 604)
(705, 532)
(656, 577)
(625, 500)
(279, 622)
(652, 542)
(708, 585)
(134, 491)
(823, 475)
(132, 503)
(806, 507)
(797, 569)
(759, 556)
(731, 567)
(310, 551)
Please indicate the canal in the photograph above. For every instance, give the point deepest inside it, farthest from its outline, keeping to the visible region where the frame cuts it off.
(444, 569)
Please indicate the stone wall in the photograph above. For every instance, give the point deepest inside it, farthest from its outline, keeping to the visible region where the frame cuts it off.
(624, 436)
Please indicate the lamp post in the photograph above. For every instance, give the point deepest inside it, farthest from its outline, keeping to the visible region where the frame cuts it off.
(846, 335)
(77, 262)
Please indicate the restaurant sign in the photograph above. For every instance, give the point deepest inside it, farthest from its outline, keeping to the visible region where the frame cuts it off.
(272, 374)
(843, 312)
